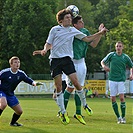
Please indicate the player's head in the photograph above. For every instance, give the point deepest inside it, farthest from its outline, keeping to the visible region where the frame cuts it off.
(119, 47)
(64, 17)
(14, 62)
(78, 22)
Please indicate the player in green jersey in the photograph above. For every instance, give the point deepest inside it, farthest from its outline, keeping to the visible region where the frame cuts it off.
(115, 63)
(79, 49)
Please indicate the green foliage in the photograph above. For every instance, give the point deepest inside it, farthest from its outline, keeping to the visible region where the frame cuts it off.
(123, 33)
(25, 24)
(107, 11)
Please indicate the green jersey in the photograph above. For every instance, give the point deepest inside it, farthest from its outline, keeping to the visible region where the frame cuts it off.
(117, 64)
(80, 47)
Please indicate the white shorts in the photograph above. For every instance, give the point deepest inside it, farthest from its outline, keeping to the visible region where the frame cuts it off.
(81, 70)
(116, 88)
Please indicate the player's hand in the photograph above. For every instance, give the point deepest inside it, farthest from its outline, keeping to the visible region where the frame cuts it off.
(104, 31)
(43, 52)
(38, 83)
(107, 69)
(101, 26)
(36, 52)
(131, 77)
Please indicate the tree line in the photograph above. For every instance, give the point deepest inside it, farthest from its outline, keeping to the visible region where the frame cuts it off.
(25, 24)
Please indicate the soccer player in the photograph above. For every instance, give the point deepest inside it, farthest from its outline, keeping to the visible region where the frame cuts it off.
(79, 49)
(9, 79)
(117, 68)
(60, 42)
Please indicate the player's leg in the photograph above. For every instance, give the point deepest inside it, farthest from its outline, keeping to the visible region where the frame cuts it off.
(64, 85)
(113, 92)
(69, 69)
(16, 115)
(59, 94)
(121, 91)
(80, 91)
(56, 72)
(14, 104)
(81, 70)
(78, 114)
(68, 91)
(3, 102)
(67, 94)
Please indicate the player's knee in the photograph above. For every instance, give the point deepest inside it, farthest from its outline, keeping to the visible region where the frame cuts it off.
(77, 85)
(19, 112)
(3, 106)
(70, 90)
(122, 99)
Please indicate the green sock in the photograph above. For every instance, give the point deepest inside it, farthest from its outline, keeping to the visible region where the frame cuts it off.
(66, 98)
(123, 108)
(115, 108)
(77, 103)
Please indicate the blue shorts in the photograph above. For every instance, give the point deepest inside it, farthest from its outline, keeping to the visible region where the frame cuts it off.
(11, 100)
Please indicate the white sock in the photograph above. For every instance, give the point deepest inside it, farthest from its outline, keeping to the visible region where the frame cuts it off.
(82, 96)
(60, 102)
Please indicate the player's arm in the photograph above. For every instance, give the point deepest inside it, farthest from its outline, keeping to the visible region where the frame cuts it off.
(36, 52)
(95, 42)
(47, 47)
(106, 68)
(131, 73)
(94, 36)
(30, 81)
(44, 51)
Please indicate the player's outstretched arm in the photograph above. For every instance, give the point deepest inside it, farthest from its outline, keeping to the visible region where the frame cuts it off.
(37, 83)
(36, 52)
(95, 42)
(44, 51)
(94, 36)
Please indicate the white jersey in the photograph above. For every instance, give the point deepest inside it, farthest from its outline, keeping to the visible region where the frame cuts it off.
(61, 39)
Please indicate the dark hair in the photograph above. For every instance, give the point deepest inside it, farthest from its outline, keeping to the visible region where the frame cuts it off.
(60, 15)
(75, 20)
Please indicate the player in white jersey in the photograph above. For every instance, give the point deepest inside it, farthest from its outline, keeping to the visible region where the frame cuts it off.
(60, 42)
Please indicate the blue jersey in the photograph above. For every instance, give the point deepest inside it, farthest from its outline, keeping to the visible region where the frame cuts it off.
(10, 80)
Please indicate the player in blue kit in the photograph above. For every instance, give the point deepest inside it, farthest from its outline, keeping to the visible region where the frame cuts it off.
(9, 79)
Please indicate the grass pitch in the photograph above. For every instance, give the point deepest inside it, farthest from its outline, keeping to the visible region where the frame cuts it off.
(39, 116)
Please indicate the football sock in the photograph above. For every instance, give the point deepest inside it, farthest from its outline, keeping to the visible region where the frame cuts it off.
(77, 103)
(15, 117)
(115, 108)
(64, 85)
(1, 111)
(123, 108)
(82, 96)
(66, 98)
(60, 101)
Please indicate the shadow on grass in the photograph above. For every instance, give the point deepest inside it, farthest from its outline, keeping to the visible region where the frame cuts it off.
(23, 129)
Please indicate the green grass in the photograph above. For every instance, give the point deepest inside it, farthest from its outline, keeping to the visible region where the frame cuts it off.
(39, 116)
